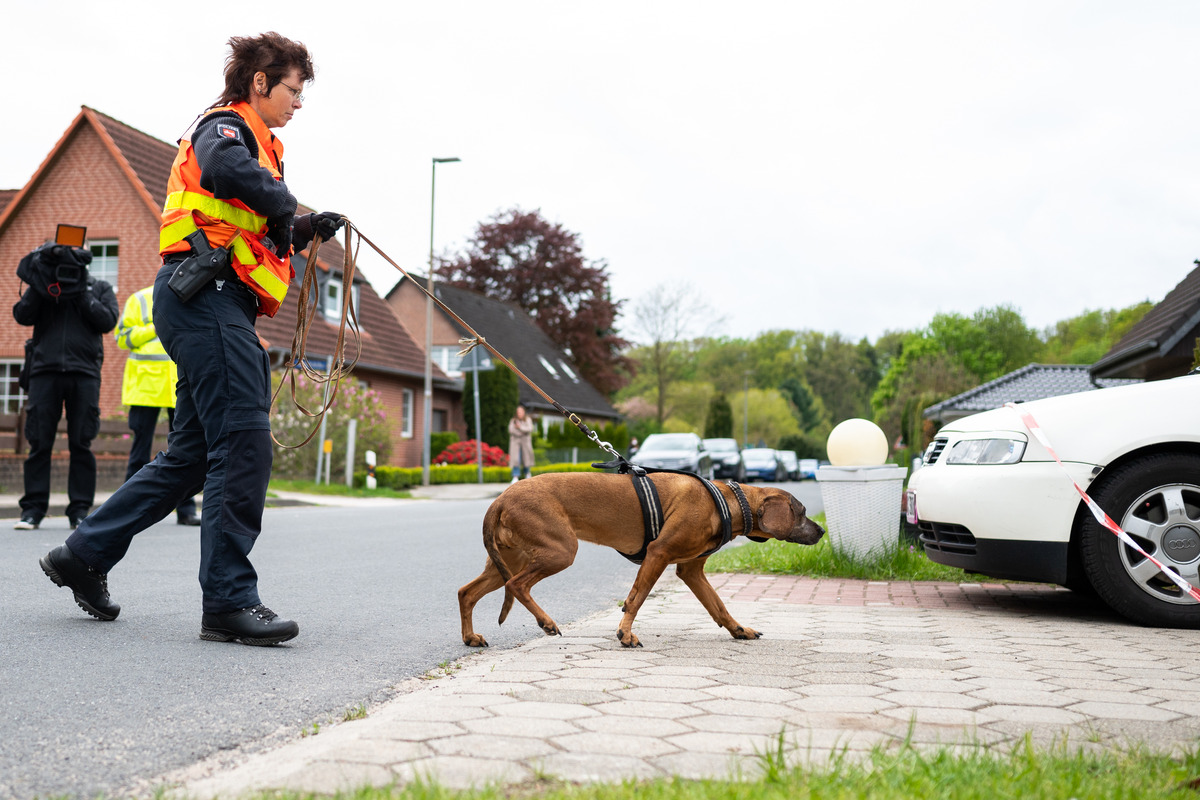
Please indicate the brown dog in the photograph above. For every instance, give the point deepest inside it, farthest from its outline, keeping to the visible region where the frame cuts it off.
(533, 529)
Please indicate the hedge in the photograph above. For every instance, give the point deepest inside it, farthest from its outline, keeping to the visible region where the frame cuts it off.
(400, 478)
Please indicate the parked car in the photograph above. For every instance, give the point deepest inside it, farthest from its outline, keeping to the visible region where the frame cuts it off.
(683, 451)
(990, 499)
(808, 468)
(791, 464)
(727, 458)
(764, 464)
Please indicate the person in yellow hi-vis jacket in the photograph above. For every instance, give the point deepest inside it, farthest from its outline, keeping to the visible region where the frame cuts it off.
(148, 386)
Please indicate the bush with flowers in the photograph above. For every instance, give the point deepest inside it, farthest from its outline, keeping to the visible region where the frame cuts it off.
(465, 453)
(353, 401)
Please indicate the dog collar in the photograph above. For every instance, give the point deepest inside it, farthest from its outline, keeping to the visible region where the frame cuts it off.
(747, 516)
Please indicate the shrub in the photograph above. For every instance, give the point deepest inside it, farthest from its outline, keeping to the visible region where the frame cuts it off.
(353, 401)
(440, 441)
(465, 453)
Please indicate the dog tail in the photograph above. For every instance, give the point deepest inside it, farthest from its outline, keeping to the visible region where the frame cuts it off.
(491, 521)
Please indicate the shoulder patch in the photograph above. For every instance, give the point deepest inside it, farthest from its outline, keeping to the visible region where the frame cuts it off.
(229, 131)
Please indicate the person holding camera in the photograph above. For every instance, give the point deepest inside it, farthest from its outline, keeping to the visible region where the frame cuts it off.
(228, 232)
(70, 311)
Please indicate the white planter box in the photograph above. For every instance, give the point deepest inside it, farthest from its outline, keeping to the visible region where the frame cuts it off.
(862, 507)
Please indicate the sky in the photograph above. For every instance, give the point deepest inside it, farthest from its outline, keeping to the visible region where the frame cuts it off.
(850, 167)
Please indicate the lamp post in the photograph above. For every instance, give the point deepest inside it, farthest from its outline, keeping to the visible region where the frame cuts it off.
(428, 422)
(746, 411)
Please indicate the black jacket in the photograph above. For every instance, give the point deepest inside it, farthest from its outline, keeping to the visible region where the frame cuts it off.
(68, 333)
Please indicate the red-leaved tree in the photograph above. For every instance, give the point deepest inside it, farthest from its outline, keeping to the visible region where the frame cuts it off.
(521, 258)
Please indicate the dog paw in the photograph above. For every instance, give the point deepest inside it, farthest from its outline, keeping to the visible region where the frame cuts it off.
(745, 633)
(475, 640)
(551, 629)
(627, 639)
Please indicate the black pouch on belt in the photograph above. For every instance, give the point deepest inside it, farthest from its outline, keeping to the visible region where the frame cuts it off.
(205, 264)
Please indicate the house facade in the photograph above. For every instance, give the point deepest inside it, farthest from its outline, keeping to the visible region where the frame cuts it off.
(112, 178)
(514, 334)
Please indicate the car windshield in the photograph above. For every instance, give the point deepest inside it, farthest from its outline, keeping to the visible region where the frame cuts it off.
(720, 445)
(760, 454)
(668, 441)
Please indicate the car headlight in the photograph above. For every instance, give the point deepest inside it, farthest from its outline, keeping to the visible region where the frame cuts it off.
(986, 451)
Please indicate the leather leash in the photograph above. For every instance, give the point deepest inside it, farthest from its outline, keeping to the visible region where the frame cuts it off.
(341, 369)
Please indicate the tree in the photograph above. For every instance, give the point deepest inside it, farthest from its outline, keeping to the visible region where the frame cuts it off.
(770, 418)
(991, 343)
(719, 424)
(663, 320)
(499, 393)
(809, 409)
(1085, 339)
(521, 258)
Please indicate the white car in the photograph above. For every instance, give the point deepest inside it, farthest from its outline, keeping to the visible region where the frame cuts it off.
(990, 499)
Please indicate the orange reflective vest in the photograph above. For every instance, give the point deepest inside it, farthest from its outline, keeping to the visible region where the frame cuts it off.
(228, 223)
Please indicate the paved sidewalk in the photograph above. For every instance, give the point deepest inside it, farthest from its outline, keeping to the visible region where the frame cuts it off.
(842, 664)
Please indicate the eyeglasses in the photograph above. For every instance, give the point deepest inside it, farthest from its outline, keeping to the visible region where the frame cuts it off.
(295, 92)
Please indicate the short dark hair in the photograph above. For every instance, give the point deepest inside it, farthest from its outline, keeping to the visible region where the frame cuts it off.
(269, 53)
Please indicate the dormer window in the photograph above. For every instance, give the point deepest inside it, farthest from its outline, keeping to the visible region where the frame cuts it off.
(549, 367)
(331, 300)
(570, 372)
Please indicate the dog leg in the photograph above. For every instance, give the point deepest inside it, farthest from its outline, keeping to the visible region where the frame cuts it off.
(648, 575)
(489, 581)
(541, 565)
(692, 574)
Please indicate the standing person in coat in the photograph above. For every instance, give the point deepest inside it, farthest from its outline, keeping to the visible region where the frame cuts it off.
(70, 312)
(149, 386)
(520, 444)
(225, 192)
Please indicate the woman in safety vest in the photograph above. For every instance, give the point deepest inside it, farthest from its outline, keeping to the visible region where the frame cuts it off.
(226, 191)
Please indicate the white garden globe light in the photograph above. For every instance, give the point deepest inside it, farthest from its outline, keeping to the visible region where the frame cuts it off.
(857, 443)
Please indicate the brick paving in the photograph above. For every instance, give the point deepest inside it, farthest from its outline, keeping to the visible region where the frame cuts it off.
(843, 666)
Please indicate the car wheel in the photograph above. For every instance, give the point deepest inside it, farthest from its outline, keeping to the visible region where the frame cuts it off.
(1156, 500)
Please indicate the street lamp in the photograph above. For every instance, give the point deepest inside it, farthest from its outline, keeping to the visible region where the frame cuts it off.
(746, 412)
(429, 328)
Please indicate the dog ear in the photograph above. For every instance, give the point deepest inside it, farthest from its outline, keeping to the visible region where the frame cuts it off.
(776, 516)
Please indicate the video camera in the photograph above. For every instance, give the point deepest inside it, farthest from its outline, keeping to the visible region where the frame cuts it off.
(58, 269)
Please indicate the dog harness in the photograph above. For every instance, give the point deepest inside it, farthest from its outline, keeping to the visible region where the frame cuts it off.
(652, 513)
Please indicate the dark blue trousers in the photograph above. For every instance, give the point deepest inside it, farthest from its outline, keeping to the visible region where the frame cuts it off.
(142, 421)
(221, 442)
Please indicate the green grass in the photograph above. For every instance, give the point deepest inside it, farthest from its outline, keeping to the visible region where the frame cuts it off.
(973, 773)
(341, 489)
(901, 562)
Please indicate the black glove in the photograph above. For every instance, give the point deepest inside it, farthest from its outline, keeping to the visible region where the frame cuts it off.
(279, 231)
(323, 226)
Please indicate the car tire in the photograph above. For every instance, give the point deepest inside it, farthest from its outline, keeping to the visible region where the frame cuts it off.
(1156, 500)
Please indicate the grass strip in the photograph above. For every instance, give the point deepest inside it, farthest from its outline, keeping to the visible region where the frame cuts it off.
(963, 773)
(339, 489)
(900, 561)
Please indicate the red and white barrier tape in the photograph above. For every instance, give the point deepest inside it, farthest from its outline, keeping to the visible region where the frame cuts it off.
(1098, 512)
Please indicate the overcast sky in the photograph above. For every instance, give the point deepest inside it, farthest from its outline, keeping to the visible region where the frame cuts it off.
(849, 167)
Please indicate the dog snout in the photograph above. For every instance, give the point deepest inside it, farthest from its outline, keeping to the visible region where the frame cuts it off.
(807, 532)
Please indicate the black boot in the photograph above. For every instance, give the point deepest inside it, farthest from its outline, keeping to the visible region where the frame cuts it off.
(90, 587)
(257, 625)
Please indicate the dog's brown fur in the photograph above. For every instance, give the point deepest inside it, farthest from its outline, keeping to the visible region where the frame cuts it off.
(533, 529)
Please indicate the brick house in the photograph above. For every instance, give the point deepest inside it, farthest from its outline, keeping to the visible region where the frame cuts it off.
(513, 333)
(111, 178)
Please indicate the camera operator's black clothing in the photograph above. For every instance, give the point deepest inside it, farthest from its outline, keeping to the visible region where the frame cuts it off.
(68, 332)
(68, 351)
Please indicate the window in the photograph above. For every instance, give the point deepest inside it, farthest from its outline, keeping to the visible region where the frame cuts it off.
(448, 359)
(104, 261)
(438, 423)
(570, 372)
(331, 306)
(406, 413)
(11, 395)
(549, 367)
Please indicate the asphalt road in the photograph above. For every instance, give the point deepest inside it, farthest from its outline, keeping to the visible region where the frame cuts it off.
(89, 707)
